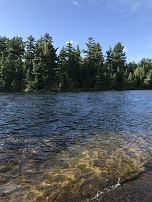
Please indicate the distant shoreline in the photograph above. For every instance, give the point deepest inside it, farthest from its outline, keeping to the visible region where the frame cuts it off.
(77, 90)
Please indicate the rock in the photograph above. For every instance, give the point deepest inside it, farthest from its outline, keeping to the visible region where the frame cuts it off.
(148, 165)
(8, 189)
(136, 190)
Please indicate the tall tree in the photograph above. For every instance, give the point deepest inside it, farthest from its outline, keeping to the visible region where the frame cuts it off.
(37, 72)
(92, 64)
(28, 63)
(108, 68)
(148, 79)
(62, 73)
(73, 56)
(12, 67)
(77, 67)
(3, 55)
(118, 64)
(44, 64)
(139, 76)
(49, 62)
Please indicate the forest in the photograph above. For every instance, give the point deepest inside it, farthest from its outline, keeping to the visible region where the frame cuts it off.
(38, 66)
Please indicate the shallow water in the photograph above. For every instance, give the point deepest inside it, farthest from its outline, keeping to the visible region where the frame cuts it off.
(71, 146)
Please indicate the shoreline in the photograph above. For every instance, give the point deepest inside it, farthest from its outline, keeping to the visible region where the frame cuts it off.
(137, 189)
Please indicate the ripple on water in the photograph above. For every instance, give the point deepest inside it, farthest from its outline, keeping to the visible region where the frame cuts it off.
(68, 146)
(76, 173)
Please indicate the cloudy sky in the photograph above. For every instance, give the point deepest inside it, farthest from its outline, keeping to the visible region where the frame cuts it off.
(107, 21)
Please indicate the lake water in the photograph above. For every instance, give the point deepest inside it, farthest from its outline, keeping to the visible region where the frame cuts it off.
(72, 146)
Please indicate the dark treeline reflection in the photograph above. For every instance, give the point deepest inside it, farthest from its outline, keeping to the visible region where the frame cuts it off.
(35, 65)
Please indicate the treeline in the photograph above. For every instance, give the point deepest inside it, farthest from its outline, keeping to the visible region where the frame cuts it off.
(34, 65)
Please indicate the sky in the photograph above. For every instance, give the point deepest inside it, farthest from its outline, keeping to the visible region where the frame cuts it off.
(106, 21)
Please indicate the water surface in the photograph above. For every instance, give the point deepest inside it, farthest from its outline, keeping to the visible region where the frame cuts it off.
(69, 146)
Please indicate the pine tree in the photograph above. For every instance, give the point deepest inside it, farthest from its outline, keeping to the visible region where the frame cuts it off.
(92, 65)
(3, 55)
(118, 64)
(64, 81)
(28, 63)
(12, 64)
(37, 72)
(49, 63)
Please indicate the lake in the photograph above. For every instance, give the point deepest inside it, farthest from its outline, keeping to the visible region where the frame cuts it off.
(72, 146)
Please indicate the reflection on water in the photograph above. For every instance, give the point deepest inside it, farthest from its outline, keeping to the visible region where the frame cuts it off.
(69, 146)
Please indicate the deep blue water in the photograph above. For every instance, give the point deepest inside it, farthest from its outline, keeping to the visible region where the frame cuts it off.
(43, 115)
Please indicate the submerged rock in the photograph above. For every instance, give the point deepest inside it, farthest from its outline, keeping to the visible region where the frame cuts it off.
(136, 190)
(8, 189)
(148, 165)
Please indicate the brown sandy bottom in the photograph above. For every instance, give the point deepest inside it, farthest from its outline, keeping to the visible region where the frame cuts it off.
(76, 174)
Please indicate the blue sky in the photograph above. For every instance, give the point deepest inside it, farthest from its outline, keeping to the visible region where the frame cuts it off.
(107, 21)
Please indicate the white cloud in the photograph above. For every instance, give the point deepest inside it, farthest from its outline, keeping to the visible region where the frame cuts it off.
(125, 6)
(130, 7)
(76, 3)
(72, 42)
(125, 49)
(95, 2)
(150, 45)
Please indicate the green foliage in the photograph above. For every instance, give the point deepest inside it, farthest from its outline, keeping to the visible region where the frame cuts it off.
(148, 79)
(34, 65)
(11, 60)
(28, 63)
(69, 67)
(92, 66)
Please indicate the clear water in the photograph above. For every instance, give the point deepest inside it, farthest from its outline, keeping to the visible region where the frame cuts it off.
(69, 146)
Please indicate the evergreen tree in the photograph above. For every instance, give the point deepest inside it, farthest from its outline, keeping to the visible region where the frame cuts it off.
(139, 76)
(44, 64)
(100, 75)
(69, 67)
(77, 67)
(108, 68)
(62, 75)
(3, 55)
(36, 67)
(92, 65)
(28, 63)
(37, 72)
(16, 52)
(148, 79)
(73, 62)
(118, 64)
(49, 63)
(12, 65)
